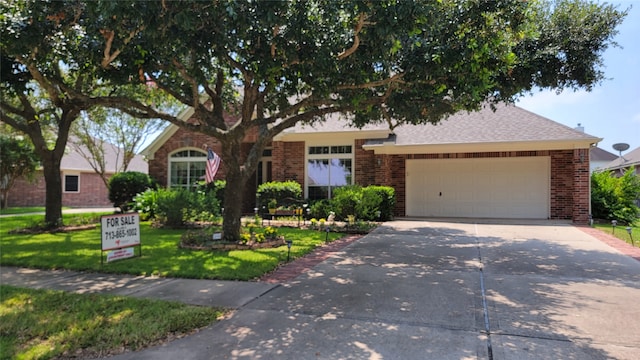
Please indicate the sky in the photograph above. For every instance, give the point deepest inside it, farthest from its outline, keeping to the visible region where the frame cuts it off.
(611, 111)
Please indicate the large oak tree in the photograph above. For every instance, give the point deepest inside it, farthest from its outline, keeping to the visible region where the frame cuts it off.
(278, 63)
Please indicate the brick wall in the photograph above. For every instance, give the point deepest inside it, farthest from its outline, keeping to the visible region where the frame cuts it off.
(93, 192)
(569, 183)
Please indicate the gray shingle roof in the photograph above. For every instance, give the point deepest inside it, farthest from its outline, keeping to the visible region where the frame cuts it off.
(628, 159)
(508, 123)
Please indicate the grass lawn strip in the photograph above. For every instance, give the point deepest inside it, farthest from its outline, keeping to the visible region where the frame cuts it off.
(161, 256)
(621, 233)
(44, 324)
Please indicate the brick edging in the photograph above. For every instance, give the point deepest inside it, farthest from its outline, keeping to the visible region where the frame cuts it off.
(612, 241)
(295, 268)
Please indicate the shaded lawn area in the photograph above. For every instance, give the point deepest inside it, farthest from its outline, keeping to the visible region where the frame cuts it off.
(44, 324)
(80, 250)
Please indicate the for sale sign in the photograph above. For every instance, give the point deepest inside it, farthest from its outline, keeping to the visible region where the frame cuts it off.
(120, 231)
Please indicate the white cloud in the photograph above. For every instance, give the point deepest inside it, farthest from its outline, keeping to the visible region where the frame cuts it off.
(636, 118)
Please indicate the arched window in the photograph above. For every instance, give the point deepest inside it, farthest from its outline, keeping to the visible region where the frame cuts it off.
(186, 168)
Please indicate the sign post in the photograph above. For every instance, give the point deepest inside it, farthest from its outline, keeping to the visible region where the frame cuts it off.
(120, 233)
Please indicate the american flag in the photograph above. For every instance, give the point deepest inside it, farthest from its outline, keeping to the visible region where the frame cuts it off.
(213, 163)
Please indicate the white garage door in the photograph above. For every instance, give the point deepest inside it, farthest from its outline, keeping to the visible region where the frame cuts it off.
(484, 188)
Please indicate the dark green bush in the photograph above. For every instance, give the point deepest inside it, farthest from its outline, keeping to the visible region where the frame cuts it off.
(387, 200)
(175, 207)
(613, 198)
(286, 193)
(124, 186)
(320, 209)
(216, 188)
(345, 201)
(369, 206)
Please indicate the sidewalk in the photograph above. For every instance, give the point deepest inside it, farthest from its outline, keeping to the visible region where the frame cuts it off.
(69, 211)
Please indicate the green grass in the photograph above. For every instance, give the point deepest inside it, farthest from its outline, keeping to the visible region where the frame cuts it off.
(23, 210)
(80, 250)
(621, 233)
(43, 324)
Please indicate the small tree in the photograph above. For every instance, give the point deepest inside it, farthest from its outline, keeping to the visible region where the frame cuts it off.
(17, 159)
(123, 187)
(613, 198)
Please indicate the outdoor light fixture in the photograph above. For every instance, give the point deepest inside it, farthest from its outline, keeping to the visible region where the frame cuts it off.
(305, 214)
(289, 243)
(326, 239)
(630, 235)
(590, 220)
(255, 210)
(613, 224)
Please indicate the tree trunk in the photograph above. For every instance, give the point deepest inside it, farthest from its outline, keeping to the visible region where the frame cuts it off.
(233, 196)
(53, 183)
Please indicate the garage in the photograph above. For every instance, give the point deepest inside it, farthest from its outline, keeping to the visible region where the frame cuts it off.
(513, 187)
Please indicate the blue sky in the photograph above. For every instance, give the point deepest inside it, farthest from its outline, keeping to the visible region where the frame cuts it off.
(612, 110)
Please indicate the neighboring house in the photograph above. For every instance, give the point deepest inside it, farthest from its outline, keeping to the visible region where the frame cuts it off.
(81, 185)
(510, 163)
(600, 158)
(626, 161)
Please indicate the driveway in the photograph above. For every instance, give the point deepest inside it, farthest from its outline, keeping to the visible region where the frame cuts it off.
(441, 290)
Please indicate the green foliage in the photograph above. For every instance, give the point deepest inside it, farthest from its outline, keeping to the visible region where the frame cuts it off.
(173, 206)
(613, 198)
(17, 159)
(146, 203)
(320, 209)
(45, 324)
(345, 201)
(124, 186)
(387, 203)
(285, 193)
(371, 203)
(176, 207)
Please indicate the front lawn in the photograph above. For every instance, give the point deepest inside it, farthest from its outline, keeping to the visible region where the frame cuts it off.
(80, 250)
(44, 324)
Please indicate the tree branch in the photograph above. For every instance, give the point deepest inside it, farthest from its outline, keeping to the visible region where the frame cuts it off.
(356, 37)
(109, 35)
(397, 78)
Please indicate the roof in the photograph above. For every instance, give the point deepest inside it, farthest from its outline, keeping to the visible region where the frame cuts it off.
(74, 161)
(601, 155)
(508, 128)
(626, 160)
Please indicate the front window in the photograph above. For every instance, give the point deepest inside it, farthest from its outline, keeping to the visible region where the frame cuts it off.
(328, 167)
(187, 168)
(72, 183)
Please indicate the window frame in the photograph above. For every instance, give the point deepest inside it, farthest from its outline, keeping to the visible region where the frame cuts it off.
(319, 154)
(64, 182)
(187, 159)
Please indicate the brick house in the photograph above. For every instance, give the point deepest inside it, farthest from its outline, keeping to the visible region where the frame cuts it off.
(508, 163)
(81, 186)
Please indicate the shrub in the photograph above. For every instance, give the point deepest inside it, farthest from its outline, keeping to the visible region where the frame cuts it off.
(320, 209)
(172, 206)
(124, 186)
(387, 196)
(369, 206)
(285, 193)
(345, 201)
(612, 198)
(216, 188)
(146, 203)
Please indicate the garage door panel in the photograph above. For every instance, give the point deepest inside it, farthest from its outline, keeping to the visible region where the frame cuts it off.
(487, 187)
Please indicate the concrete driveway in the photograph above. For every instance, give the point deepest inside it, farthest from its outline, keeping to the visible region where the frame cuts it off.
(441, 290)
